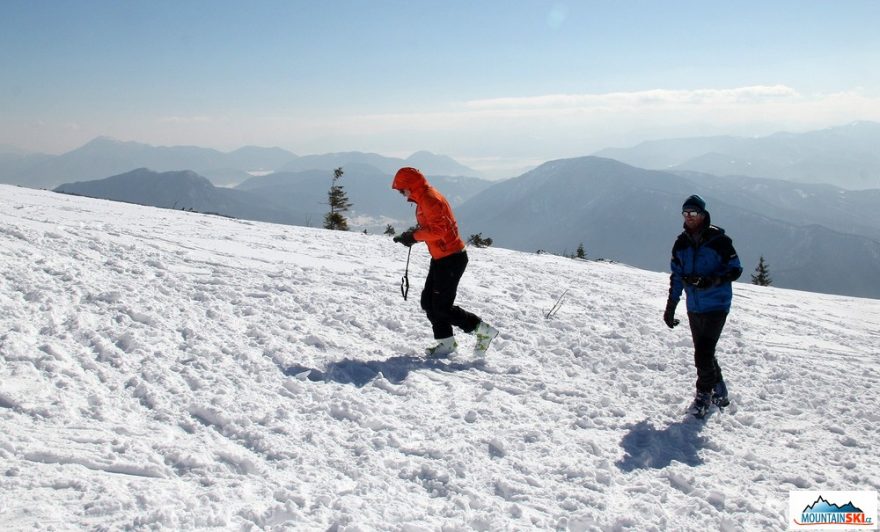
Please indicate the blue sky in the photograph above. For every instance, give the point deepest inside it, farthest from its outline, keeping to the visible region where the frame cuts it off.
(495, 84)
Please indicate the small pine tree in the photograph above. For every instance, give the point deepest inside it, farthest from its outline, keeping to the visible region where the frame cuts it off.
(478, 241)
(581, 254)
(339, 203)
(389, 230)
(761, 277)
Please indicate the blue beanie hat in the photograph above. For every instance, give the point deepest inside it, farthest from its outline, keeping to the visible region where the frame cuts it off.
(694, 202)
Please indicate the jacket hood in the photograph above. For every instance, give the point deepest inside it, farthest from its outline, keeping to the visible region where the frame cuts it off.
(409, 178)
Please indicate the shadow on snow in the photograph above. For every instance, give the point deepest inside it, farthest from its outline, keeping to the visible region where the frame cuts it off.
(649, 448)
(395, 369)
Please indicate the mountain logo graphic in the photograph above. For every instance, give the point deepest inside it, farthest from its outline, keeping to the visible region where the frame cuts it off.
(821, 505)
(823, 512)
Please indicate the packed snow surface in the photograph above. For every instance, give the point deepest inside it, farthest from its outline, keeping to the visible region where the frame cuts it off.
(173, 370)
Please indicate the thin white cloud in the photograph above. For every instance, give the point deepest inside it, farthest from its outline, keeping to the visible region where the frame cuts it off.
(568, 107)
(191, 119)
(649, 98)
(621, 111)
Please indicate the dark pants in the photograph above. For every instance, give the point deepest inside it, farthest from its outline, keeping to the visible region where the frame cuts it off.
(438, 296)
(706, 330)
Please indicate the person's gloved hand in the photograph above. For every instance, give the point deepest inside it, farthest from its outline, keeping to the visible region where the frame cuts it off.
(406, 238)
(669, 314)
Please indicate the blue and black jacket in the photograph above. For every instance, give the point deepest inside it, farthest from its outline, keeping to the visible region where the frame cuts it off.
(708, 254)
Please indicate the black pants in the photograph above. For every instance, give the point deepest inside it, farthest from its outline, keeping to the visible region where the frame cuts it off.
(438, 296)
(706, 330)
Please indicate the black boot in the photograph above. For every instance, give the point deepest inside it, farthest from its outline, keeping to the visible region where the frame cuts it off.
(719, 395)
(701, 404)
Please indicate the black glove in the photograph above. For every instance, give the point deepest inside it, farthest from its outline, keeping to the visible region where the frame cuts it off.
(669, 314)
(701, 282)
(406, 238)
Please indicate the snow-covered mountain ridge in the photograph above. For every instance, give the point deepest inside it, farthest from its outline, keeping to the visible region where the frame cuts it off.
(155, 373)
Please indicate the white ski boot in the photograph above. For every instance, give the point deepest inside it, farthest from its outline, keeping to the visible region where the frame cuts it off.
(485, 334)
(444, 348)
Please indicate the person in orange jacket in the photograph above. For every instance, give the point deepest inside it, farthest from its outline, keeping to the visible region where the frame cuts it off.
(436, 227)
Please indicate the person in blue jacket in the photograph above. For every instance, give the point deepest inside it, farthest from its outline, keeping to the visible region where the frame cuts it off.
(704, 264)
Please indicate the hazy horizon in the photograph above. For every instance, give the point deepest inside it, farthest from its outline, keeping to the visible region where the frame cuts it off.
(497, 87)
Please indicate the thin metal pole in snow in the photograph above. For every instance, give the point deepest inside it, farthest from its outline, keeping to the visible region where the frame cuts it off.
(556, 306)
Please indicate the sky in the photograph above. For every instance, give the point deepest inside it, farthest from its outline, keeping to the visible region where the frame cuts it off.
(497, 85)
(168, 370)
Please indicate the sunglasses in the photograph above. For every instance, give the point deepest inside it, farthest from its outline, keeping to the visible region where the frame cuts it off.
(690, 214)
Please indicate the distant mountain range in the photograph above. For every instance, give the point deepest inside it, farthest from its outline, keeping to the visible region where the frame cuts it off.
(633, 215)
(845, 211)
(184, 190)
(846, 156)
(105, 156)
(15, 162)
(295, 198)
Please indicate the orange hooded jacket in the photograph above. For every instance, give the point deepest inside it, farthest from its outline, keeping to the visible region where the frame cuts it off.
(436, 224)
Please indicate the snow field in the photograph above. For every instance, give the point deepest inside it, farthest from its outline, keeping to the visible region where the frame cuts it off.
(163, 369)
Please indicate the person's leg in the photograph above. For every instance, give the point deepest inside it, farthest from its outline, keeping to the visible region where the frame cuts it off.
(427, 297)
(706, 330)
(447, 275)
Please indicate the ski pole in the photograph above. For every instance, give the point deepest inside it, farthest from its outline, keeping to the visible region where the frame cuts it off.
(556, 306)
(404, 281)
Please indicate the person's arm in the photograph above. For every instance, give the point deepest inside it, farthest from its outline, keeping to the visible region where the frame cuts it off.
(675, 288)
(732, 269)
(676, 285)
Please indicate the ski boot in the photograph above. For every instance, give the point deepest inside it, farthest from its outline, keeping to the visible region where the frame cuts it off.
(444, 348)
(485, 334)
(719, 395)
(701, 404)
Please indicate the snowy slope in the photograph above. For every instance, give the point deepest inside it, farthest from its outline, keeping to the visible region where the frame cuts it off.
(165, 369)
